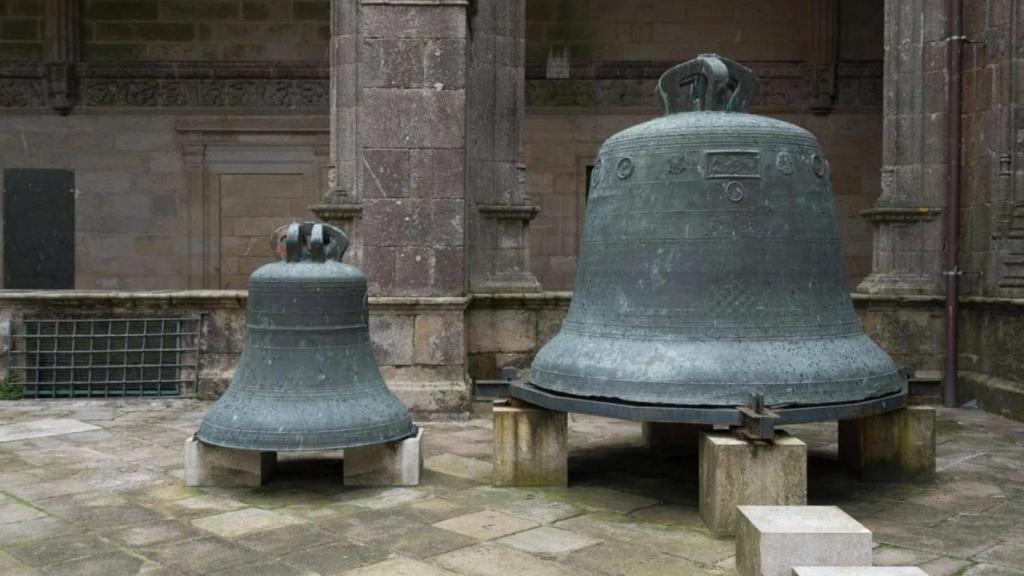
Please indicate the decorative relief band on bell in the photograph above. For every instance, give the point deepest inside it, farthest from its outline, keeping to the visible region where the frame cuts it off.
(625, 169)
(733, 164)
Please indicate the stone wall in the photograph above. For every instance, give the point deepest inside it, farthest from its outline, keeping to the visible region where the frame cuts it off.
(21, 30)
(147, 184)
(198, 30)
(420, 344)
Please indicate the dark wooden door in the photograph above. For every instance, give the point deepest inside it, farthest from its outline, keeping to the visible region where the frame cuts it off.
(39, 229)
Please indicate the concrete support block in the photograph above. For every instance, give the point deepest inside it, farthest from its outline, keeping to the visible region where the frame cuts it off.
(208, 465)
(859, 571)
(682, 439)
(895, 446)
(531, 446)
(735, 472)
(392, 464)
(772, 540)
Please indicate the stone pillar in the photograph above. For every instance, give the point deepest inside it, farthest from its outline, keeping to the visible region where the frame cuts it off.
(531, 446)
(398, 184)
(735, 472)
(208, 465)
(681, 439)
(499, 209)
(390, 464)
(895, 446)
(908, 240)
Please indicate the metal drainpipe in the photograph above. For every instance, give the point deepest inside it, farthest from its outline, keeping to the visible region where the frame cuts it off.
(951, 266)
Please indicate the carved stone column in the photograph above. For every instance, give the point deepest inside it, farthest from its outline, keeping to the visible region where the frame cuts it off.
(63, 50)
(499, 208)
(908, 238)
(398, 184)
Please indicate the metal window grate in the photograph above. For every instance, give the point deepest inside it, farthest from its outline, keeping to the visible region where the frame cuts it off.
(104, 357)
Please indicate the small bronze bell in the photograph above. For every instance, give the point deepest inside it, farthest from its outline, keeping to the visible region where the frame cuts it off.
(710, 266)
(307, 378)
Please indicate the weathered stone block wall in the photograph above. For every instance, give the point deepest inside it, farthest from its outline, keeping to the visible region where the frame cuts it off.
(420, 344)
(21, 30)
(509, 329)
(150, 209)
(129, 200)
(190, 30)
(610, 30)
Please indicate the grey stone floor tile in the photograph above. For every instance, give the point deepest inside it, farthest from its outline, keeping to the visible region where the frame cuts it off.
(202, 556)
(695, 545)
(489, 559)
(10, 566)
(60, 549)
(153, 534)
(287, 539)
(107, 564)
(35, 529)
(334, 559)
(620, 559)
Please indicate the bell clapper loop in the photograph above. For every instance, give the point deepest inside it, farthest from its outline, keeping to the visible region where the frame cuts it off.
(707, 83)
(293, 243)
(316, 243)
(309, 241)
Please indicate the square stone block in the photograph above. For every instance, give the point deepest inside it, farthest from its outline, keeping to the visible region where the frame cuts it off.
(531, 446)
(896, 446)
(208, 465)
(391, 464)
(859, 571)
(735, 471)
(772, 540)
(681, 439)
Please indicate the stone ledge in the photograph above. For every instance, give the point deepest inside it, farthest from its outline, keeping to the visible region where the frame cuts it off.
(994, 394)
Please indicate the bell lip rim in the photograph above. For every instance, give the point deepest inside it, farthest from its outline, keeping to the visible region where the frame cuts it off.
(416, 431)
(716, 415)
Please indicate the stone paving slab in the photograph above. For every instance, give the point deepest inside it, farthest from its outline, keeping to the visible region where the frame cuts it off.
(43, 428)
(110, 500)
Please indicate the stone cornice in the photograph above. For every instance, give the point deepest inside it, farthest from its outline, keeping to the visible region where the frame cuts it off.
(899, 214)
(174, 86)
(508, 211)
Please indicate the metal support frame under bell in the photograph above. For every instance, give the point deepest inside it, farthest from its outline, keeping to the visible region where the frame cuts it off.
(756, 422)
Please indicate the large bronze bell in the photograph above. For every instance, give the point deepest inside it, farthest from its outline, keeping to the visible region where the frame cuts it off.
(307, 378)
(710, 267)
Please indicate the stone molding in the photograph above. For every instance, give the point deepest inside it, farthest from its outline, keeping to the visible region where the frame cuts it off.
(880, 214)
(784, 85)
(299, 86)
(509, 212)
(304, 86)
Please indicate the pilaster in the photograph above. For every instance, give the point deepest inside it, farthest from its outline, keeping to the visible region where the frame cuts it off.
(907, 253)
(499, 209)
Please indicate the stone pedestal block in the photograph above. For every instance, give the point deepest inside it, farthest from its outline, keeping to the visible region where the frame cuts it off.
(208, 465)
(531, 446)
(392, 464)
(896, 446)
(682, 439)
(734, 472)
(772, 540)
(860, 571)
